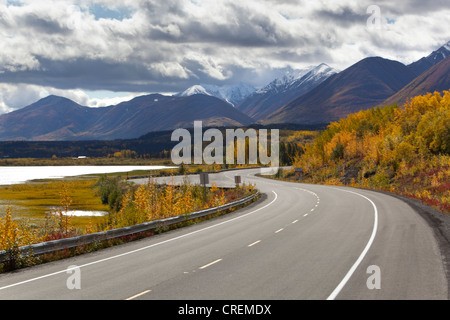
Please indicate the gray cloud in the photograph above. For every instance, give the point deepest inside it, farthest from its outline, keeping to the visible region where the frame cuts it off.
(343, 17)
(413, 7)
(41, 25)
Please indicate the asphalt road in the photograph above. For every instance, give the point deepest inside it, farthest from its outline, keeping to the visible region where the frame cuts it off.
(299, 242)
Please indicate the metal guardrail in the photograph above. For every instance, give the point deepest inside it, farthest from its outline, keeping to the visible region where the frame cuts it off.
(63, 244)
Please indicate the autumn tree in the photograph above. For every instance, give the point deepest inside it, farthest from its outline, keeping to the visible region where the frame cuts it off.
(387, 144)
(13, 236)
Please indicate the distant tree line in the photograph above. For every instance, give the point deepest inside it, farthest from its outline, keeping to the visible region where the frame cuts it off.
(157, 147)
(154, 145)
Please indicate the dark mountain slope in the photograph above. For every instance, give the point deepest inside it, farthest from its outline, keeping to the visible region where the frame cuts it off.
(157, 113)
(56, 118)
(435, 79)
(51, 118)
(434, 58)
(362, 86)
(283, 90)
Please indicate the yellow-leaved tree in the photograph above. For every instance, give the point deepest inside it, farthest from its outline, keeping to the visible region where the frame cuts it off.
(13, 236)
(394, 148)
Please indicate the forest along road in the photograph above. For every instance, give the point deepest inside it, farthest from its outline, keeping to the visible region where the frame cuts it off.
(299, 242)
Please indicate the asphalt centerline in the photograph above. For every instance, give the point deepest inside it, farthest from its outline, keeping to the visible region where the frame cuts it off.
(210, 264)
(254, 243)
(138, 295)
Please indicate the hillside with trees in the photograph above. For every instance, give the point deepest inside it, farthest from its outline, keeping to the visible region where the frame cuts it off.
(402, 149)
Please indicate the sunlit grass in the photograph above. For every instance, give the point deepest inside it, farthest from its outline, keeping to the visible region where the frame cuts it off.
(34, 201)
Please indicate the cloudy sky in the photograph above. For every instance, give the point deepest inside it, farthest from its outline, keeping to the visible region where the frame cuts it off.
(99, 52)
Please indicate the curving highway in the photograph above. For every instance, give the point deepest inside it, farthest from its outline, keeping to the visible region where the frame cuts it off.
(300, 242)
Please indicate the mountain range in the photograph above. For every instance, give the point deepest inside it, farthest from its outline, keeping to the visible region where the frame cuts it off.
(58, 118)
(434, 58)
(316, 95)
(281, 91)
(437, 78)
(362, 86)
(368, 83)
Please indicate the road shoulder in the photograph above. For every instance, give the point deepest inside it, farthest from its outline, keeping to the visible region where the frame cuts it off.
(438, 222)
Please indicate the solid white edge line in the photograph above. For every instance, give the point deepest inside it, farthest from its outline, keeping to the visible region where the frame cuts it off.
(347, 277)
(140, 249)
(349, 274)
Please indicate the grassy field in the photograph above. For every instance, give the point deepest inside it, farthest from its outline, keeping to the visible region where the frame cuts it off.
(32, 202)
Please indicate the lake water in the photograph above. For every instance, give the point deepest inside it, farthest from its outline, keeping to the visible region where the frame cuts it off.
(17, 175)
(83, 213)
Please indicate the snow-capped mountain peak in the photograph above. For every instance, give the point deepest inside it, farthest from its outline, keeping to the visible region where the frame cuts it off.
(440, 54)
(321, 71)
(283, 90)
(295, 78)
(447, 46)
(197, 89)
(279, 84)
(323, 68)
(233, 94)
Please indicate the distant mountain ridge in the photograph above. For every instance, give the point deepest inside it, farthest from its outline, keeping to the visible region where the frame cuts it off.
(48, 119)
(428, 62)
(56, 118)
(283, 90)
(437, 78)
(363, 85)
